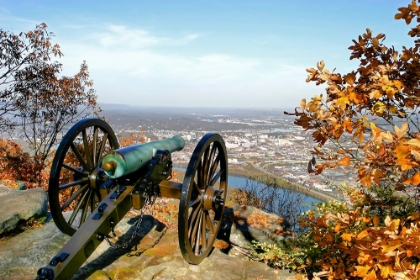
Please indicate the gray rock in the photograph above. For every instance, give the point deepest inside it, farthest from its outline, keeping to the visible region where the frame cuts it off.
(19, 184)
(244, 224)
(20, 205)
(157, 255)
(22, 255)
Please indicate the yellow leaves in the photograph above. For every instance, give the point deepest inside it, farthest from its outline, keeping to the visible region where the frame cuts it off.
(355, 97)
(413, 142)
(375, 131)
(320, 65)
(400, 132)
(375, 94)
(378, 109)
(386, 270)
(392, 225)
(362, 234)
(342, 102)
(303, 104)
(369, 252)
(402, 153)
(312, 74)
(311, 70)
(337, 228)
(392, 87)
(347, 236)
(363, 271)
(389, 249)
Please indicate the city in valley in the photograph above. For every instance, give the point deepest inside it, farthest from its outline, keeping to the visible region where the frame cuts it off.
(264, 139)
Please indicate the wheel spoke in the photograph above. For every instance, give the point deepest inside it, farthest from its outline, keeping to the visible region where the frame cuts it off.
(197, 241)
(79, 157)
(77, 208)
(94, 143)
(192, 218)
(73, 169)
(209, 223)
(197, 200)
(102, 147)
(73, 197)
(85, 208)
(203, 230)
(92, 203)
(196, 187)
(200, 175)
(214, 165)
(77, 182)
(211, 163)
(216, 177)
(205, 166)
(87, 150)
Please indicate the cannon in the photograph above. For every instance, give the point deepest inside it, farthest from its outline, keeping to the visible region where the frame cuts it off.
(94, 183)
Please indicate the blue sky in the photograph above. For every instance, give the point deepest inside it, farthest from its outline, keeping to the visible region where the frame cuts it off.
(206, 53)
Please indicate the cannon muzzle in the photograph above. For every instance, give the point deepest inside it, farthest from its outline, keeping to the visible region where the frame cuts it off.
(130, 159)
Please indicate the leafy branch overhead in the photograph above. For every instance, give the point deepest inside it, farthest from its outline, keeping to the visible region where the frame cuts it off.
(35, 103)
(382, 98)
(367, 119)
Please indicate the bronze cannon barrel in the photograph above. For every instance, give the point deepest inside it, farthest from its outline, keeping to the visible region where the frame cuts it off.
(129, 159)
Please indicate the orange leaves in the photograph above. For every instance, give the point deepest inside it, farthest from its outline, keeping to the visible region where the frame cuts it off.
(350, 78)
(408, 13)
(15, 164)
(344, 161)
(342, 102)
(414, 180)
(354, 245)
(384, 87)
(375, 221)
(404, 157)
(365, 271)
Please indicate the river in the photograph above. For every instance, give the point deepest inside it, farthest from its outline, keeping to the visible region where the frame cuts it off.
(235, 181)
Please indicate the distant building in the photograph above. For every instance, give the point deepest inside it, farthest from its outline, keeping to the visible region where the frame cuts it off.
(233, 160)
(231, 145)
(284, 142)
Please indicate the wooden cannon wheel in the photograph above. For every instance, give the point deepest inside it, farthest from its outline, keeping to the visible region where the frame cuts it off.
(75, 174)
(202, 198)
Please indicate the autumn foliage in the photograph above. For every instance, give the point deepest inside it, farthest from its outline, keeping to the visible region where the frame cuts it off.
(381, 98)
(367, 119)
(17, 165)
(36, 104)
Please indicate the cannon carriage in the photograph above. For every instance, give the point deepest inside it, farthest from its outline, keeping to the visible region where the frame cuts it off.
(94, 183)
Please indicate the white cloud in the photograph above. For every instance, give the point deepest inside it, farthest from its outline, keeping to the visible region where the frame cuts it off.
(138, 67)
(119, 36)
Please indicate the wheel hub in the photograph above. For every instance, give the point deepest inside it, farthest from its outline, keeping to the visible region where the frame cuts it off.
(212, 199)
(96, 178)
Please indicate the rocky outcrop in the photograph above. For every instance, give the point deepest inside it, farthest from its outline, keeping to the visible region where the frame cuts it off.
(157, 254)
(244, 224)
(18, 206)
